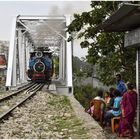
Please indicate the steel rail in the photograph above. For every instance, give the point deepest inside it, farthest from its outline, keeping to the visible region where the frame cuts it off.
(15, 93)
(32, 88)
(6, 114)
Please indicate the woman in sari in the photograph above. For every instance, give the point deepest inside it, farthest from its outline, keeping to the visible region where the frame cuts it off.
(128, 107)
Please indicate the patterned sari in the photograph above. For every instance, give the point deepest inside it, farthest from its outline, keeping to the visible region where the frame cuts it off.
(128, 107)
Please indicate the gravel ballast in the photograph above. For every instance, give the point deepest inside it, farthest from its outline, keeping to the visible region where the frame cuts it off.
(47, 116)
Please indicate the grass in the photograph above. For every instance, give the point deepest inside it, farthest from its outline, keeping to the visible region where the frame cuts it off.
(71, 126)
(74, 126)
(60, 102)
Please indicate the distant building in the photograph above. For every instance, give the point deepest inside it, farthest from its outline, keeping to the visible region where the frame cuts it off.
(3, 61)
(4, 45)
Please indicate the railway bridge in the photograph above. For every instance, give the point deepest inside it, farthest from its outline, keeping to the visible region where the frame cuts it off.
(30, 32)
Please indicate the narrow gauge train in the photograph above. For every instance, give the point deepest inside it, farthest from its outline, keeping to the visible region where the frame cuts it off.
(40, 66)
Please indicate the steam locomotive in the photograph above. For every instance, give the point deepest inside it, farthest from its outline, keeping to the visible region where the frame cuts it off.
(40, 66)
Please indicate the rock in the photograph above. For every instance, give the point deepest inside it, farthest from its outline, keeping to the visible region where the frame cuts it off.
(59, 136)
(61, 133)
(70, 131)
(5, 107)
(55, 128)
(67, 115)
(64, 129)
(49, 116)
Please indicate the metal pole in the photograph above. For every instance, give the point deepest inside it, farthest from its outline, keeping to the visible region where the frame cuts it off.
(11, 54)
(68, 59)
(138, 90)
(20, 55)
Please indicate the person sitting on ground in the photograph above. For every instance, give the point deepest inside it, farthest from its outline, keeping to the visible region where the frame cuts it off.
(110, 103)
(128, 107)
(97, 107)
(116, 110)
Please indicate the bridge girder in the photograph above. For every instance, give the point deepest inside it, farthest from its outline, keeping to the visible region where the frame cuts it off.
(27, 34)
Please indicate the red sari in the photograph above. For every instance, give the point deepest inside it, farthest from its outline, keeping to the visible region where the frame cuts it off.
(128, 107)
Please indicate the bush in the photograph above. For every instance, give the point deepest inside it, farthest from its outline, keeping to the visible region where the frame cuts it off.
(84, 94)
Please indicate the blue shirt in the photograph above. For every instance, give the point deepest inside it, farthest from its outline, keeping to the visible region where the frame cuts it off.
(121, 87)
(116, 104)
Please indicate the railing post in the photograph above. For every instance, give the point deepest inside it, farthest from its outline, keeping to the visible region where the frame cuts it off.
(68, 58)
(11, 54)
(138, 90)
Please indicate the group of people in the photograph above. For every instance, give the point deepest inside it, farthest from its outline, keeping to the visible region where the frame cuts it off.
(121, 102)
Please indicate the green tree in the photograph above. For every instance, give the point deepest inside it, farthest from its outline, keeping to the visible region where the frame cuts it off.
(106, 50)
(81, 69)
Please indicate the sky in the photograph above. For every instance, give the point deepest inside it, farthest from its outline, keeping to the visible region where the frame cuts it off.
(10, 9)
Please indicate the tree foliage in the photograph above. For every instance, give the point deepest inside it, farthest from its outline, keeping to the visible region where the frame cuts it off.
(84, 94)
(81, 69)
(106, 50)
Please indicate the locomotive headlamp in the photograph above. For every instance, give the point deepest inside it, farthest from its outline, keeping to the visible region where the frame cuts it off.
(38, 54)
(39, 66)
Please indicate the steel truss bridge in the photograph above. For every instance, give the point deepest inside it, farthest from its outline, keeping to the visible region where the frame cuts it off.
(30, 32)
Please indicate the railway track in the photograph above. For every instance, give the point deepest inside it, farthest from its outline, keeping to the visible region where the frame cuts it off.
(16, 99)
(16, 92)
